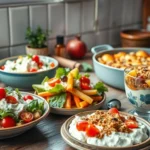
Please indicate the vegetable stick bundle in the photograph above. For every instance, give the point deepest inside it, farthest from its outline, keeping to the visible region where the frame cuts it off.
(70, 89)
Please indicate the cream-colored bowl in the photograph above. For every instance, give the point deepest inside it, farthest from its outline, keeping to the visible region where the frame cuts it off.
(84, 146)
(17, 130)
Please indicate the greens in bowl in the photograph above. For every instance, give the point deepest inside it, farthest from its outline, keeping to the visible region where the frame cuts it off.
(69, 89)
(19, 108)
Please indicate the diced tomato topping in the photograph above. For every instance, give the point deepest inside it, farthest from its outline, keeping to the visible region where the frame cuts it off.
(36, 58)
(40, 64)
(85, 79)
(113, 111)
(131, 124)
(54, 82)
(11, 99)
(2, 67)
(8, 122)
(26, 116)
(33, 70)
(52, 65)
(92, 131)
(26, 97)
(2, 93)
(82, 125)
(85, 86)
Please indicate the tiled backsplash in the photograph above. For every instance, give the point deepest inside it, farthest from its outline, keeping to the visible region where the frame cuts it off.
(68, 19)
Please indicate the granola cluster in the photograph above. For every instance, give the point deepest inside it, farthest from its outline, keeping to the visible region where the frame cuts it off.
(122, 59)
(109, 122)
(138, 77)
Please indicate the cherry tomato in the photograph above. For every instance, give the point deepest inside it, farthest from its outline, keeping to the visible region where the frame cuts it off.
(92, 131)
(11, 99)
(113, 111)
(8, 122)
(33, 70)
(52, 65)
(82, 125)
(26, 97)
(26, 116)
(40, 64)
(85, 86)
(36, 58)
(131, 124)
(2, 67)
(54, 82)
(2, 93)
(85, 79)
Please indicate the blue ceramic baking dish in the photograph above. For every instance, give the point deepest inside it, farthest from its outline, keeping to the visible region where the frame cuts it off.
(110, 75)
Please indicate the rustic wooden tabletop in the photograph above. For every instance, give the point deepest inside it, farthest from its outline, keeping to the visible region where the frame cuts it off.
(46, 135)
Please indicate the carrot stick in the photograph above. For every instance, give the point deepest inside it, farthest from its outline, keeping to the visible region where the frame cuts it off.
(43, 94)
(68, 101)
(96, 98)
(81, 95)
(89, 92)
(83, 104)
(77, 101)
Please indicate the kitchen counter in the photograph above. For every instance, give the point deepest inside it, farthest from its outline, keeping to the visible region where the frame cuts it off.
(46, 135)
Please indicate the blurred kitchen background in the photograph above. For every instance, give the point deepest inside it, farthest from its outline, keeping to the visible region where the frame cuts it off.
(97, 24)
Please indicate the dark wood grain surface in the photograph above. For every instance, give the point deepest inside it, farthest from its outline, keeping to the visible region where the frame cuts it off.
(46, 135)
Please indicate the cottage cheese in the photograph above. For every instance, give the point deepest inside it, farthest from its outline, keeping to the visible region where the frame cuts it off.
(115, 139)
(24, 64)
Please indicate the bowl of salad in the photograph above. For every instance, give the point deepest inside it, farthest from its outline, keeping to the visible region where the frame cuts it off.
(70, 92)
(20, 111)
(23, 71)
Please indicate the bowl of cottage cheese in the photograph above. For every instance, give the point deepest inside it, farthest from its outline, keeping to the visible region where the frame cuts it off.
(112, 130)
(23, 71)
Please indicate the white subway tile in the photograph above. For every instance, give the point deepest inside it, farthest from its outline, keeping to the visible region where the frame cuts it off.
(4, 28)
(89, 40)
(127, 12)
(116, 13)
(102, 37)
(18, 24)
(38, 16)
(137, 13)
(88, 9)
(73, 18)
(17, 50)
(4, 53)
(104, 13)
(51, 46)
(114, 37)
(56, 17)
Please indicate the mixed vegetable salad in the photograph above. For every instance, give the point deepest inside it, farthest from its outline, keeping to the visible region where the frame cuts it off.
(16, 109)
(29, 63)
(70, 89)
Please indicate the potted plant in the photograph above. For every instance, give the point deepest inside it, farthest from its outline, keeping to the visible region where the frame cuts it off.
(36, 41)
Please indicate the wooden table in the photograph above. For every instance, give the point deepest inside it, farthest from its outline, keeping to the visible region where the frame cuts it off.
(46, 135)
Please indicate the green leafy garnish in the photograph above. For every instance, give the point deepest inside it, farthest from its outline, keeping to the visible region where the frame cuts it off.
(29, 56)
(58, 101)
(61, 72)
(45, 80)
(57, 89)
(38, 88)
(4, 114)
(86, 67)
(100, 87)
(34, 105)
